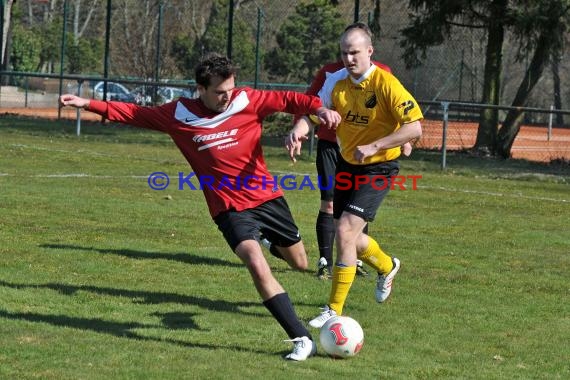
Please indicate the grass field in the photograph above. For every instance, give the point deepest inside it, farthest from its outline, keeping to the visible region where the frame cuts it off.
(103, 278)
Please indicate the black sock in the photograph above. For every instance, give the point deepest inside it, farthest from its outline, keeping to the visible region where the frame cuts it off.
(325, 236)
(282, 310)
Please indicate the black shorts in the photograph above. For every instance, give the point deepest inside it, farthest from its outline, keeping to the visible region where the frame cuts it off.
(271, 219)
(327, 159)
(360, 189)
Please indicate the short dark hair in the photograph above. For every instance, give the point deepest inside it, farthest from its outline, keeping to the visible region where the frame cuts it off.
(362, 26)
(214, 65)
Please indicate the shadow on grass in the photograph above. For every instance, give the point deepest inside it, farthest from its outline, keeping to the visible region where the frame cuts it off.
(118, 329)
(132, 254)
(181, 257)
(143, 296)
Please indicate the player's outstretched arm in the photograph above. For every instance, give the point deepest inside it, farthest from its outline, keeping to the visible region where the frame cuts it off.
(73, 101)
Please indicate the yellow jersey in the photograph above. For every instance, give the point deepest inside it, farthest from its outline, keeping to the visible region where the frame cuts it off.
(372, 107)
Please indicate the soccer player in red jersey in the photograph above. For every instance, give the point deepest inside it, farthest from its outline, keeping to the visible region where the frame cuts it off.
(219, 135)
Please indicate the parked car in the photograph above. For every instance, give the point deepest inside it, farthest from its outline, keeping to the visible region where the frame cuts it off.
(145, 94)
(169, 94)
(115, 91)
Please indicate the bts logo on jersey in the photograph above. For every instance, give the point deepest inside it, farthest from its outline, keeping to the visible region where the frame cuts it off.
(355, 118)
(370, 102)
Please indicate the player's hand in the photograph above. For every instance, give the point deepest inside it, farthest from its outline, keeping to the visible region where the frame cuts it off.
(329, 118)
(406, 149)
(363, 151)
(73, 101)
(293, 143)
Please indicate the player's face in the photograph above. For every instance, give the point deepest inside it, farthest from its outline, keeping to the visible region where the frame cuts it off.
(218, 94)
(356, 51)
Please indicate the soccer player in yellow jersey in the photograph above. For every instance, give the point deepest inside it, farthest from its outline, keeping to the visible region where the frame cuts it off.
(378, 116)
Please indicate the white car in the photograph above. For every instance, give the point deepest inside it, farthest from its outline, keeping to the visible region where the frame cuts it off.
(115, 91)
(169, 94)
(144, 94)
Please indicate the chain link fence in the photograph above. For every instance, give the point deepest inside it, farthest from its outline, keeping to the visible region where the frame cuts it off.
(452, 72)
(446, 128)
(449, 126)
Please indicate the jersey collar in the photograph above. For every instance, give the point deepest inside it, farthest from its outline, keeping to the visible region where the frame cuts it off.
(364, 76)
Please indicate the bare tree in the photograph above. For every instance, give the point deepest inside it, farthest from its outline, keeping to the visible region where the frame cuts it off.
(81, 24)
(135, 33)
(6, 19)
(542, 25)
(555, 67)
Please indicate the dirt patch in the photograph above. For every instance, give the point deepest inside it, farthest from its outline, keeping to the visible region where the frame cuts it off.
(532, 143)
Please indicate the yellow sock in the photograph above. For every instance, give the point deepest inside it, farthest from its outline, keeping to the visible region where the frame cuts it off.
(342, 279)
(376, 258)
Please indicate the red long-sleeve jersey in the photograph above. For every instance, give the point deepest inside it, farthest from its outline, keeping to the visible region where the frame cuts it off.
(223, 149)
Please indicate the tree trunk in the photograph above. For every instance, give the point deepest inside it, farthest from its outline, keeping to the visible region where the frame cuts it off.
(5, 39)
(375, 22)
(513, 121)
(488, 119)
(557, 92)
(6, 18)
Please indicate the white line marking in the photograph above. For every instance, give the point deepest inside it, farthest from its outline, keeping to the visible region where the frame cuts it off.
(492, 194)
(73, 175)
(489, 193)
(97, 154)
(438, 188)
(441, 188)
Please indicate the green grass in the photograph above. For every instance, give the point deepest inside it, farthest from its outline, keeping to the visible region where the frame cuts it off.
(103, 278)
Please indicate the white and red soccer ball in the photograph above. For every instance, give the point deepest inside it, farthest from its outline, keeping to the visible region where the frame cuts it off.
(341, 337)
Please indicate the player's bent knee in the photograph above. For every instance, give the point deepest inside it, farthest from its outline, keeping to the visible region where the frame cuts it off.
(300, 264)
(296, 256)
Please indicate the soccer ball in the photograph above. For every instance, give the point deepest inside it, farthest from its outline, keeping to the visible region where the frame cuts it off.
(341, 337)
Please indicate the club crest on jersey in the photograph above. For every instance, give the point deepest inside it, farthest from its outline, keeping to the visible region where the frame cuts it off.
(371, 100)
(220, 138)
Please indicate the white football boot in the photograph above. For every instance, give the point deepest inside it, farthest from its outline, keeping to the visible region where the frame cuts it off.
(326, 314)
(303, 347)
(384, 283)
